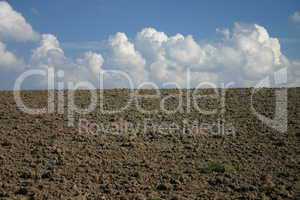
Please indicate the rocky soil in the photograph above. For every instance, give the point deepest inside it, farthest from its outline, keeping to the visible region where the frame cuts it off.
(42, 158)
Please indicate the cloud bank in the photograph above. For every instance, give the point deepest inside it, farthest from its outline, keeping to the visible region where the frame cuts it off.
(243, 55)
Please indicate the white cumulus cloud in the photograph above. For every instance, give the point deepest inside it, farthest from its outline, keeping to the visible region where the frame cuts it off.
(13, 26)
(8, 60)
(122, 55)
(49, 54)
(246, 53)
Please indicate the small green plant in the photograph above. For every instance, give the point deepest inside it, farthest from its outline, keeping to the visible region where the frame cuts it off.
(213, 167)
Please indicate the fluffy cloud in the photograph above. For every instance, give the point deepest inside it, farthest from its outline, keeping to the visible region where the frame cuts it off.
(246, 53)
(92, 61)
(296, 17)
(169, 58)
(123, 56)
(247, 50)
(13, 26)
(8, 61)
(49, 54)
(149, 42)
(250, 48)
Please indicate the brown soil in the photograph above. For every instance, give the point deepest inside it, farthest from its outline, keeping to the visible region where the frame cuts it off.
(42, 158)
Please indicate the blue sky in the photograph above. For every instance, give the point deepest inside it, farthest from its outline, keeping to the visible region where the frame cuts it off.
(94, 20)
(158, 41)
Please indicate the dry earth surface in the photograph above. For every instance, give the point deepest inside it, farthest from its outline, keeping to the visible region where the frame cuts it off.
(42, 158)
